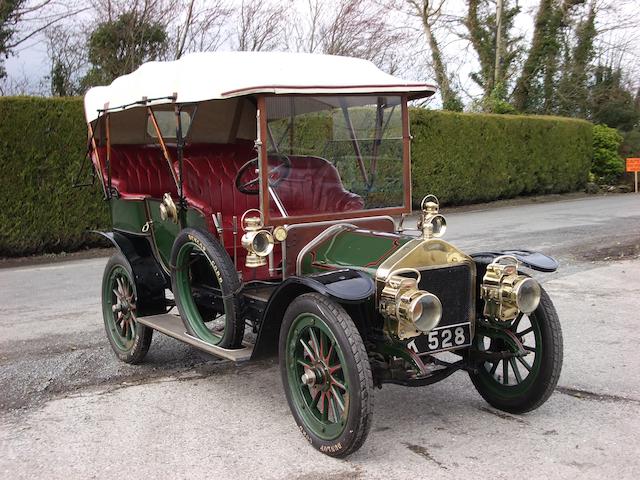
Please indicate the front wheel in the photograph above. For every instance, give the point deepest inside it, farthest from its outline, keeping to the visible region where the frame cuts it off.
(520, 383)
(326, 375)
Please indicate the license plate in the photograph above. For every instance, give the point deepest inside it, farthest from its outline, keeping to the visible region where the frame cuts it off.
(443, 338)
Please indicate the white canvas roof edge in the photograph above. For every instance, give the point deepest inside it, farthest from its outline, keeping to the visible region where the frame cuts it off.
(196, 77)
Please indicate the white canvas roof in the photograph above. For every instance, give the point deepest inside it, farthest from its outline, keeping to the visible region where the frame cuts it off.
(217, 75)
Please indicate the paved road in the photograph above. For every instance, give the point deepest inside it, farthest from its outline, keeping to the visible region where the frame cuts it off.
(68, 409)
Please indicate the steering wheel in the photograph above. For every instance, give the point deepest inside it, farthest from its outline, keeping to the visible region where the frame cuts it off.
(247, 180)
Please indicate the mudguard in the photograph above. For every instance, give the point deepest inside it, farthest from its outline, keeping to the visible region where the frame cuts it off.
(150, 280)
(534, 260)
(349, 288)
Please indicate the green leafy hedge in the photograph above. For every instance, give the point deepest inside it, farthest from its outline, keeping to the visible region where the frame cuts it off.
(42, 143)
(461, 158)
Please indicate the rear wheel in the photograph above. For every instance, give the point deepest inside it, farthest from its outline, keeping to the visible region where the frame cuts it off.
(205, 283)
(326, 375)
(129, 339)
(521, 383)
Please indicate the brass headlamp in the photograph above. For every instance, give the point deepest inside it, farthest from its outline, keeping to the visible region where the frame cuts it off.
(408, 310)
(431, 223)
(256, 240)
(505, 293)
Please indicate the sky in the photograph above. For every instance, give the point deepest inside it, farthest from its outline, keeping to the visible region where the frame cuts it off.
(31, 62)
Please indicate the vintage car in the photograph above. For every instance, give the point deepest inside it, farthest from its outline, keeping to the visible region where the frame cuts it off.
(263, 196)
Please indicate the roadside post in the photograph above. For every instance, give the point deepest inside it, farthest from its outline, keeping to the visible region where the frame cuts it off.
(633, 165)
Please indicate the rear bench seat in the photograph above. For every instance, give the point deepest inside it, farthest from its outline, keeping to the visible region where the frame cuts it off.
(138, 171)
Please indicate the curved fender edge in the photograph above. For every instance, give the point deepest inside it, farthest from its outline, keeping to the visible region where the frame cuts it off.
(530, 259)
(352, 289)
(149, 277)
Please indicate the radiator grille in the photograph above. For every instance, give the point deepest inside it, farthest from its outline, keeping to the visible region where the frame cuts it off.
(453, 285)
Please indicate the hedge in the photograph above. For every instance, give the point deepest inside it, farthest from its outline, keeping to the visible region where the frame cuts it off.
(42, 144)
(463, 158)
(459, 157)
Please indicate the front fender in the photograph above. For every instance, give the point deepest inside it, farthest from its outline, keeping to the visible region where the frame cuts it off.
(530, 259)
(352, 289)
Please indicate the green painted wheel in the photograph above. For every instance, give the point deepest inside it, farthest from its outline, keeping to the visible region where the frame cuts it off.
(204, 284)
(326, 374)
(519, 384)
(129, 339)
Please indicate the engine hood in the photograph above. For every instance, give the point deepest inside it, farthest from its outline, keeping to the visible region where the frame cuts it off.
(376, 253)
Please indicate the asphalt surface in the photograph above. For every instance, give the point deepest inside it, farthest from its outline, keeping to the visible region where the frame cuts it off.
(69, 409)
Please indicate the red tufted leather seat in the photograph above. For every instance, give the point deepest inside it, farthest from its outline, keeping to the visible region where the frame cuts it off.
(138, 170)
(209, 173)
(313, 187)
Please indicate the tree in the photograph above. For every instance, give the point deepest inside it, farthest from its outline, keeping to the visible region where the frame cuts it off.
(573, 89)
(261, 26)
(535, 87)
(22, 20)
(490, 33)
(430, 15)
(354, 28)
(119, 46)
(68, 57)
(204, 27)
(611, 103)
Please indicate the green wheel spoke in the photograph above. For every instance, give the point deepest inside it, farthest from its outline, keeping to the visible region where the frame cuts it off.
(530, 349)
(494, 367)
(524, 332)
(338, 398)
(314, 403)
(308, 350)
(516, 372)
(505, 373)
(516, 322)
(315, 344)
(524, 363)
(303, 364)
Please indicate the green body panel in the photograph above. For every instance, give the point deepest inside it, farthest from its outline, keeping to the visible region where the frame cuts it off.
(128, 215)
(360, 249)
(131, 215)
(164, 231)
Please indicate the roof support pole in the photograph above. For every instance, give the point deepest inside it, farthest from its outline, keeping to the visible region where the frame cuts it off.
(108, 137)
(179, 150)
(163, 146)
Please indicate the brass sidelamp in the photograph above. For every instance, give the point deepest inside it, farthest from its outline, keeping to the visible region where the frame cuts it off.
(256, 240)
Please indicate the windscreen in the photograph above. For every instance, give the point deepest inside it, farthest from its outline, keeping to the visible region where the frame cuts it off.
(334, 154)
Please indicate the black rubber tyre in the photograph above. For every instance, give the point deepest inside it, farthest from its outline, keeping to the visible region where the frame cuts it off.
(129, 339)
(334, 413)
(197, 258)
(542, 374)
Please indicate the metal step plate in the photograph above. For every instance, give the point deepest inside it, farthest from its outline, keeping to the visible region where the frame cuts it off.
(172, 326)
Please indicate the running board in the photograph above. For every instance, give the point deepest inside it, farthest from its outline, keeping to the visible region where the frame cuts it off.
(172, 326)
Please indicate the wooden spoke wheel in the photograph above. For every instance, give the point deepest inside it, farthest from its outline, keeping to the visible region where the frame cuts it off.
(524, 380)
(129, 339)
(326, 374)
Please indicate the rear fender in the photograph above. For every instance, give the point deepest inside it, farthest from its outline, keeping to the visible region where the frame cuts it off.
(353, 290)
(150, 280)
